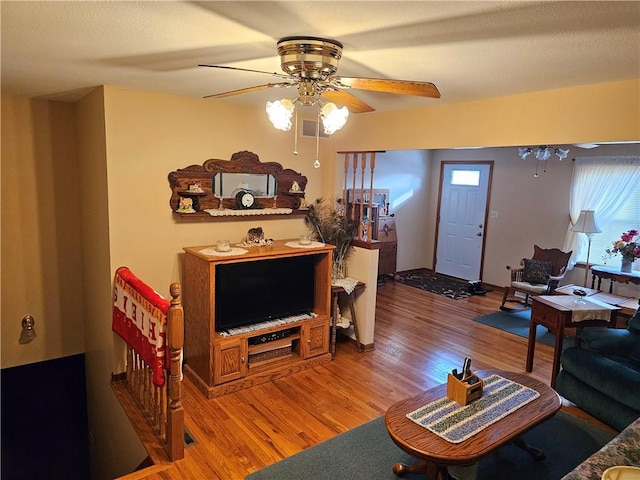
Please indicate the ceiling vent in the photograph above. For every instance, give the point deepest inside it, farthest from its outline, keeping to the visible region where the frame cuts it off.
(309, 128)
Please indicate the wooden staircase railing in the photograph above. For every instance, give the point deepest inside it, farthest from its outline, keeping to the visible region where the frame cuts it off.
(156, 412)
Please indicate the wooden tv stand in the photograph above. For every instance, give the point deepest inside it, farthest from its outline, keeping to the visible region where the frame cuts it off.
(220, 364)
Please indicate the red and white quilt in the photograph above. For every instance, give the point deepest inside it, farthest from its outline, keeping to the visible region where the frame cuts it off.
(140, 318)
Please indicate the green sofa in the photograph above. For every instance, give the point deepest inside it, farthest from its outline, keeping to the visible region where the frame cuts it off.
(602, 375)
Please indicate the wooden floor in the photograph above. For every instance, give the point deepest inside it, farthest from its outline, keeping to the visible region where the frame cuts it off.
(419, 338)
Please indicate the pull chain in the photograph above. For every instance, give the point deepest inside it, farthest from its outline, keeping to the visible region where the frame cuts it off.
(295, 138)
(316, 164)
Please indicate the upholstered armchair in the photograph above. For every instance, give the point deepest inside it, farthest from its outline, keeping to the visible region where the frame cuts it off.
(538, 275)
(602, 375)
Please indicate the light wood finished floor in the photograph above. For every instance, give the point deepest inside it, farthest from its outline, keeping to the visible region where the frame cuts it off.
(419, 337)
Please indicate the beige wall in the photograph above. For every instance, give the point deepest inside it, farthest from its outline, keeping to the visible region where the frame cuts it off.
(150, 135)
(41, 249)
(592, 113)
(110, 430)
(128, 141)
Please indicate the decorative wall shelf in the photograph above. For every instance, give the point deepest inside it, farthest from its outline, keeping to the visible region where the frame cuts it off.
(211, 188)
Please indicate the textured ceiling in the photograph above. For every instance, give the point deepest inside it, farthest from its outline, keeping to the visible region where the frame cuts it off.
(470, 50)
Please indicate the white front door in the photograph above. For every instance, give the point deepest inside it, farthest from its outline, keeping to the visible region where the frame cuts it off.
(463, 206)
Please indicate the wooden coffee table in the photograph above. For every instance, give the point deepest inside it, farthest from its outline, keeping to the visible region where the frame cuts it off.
(435, 453)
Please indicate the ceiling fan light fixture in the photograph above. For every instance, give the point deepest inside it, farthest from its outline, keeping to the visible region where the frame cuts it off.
(524, 152)
(562, 154)
(543, 153)
(309, 57)
(280, 113)
(333, 118)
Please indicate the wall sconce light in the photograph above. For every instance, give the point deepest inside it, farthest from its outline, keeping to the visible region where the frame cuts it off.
(28, 332)
(542, 154)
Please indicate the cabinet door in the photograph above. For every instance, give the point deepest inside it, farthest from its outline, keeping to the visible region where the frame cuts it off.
(315, 337)
(387, 258)
(229, 360)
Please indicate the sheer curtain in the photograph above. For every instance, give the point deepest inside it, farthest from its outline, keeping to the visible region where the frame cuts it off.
(601, 184)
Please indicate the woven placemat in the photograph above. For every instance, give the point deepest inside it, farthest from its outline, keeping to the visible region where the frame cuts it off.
(455, 423)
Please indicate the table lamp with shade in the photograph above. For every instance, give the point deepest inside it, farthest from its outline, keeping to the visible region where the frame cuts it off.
(586, 224)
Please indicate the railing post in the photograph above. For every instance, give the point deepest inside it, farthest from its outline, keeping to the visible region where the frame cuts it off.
(372, 165)
(175, 341)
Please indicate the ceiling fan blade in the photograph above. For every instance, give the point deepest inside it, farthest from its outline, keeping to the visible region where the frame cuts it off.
(257, 88)
(342, 97)
(402, 87)
(275, 74)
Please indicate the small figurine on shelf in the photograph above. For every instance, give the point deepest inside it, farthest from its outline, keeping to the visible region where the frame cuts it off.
(186, 205)
(255, 235)
(294, 187)
(196, 188)
(255, 238)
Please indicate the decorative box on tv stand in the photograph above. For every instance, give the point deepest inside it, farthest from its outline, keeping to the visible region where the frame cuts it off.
(465, 390)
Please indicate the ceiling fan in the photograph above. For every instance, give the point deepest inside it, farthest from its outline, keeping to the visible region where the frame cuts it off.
(310, 64)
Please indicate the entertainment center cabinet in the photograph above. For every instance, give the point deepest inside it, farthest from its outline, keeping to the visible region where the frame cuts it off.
(218, 362)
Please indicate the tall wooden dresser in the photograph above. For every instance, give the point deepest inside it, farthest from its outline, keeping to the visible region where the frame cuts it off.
(388, 239)
(383, 227)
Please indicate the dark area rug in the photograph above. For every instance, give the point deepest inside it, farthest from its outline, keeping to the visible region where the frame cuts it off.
(433, 283)
(518, 324)
(367, 452)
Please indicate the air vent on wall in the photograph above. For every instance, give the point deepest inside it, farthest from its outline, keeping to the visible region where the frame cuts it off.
(309, 129)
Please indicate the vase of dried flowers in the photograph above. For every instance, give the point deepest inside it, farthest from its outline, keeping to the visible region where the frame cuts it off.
(328, 223)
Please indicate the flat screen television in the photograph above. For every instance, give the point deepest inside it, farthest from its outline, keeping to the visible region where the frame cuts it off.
(260, 290)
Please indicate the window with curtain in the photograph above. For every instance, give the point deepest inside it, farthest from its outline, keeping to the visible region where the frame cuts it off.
(611, 187)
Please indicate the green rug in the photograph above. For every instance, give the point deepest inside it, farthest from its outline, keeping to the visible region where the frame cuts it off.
(518, 324)
(367, 453)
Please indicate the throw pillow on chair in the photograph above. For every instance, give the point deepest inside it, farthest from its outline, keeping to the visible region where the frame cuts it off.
(536, 271)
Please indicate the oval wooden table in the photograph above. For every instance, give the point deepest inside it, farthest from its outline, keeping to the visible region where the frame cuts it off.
(434, 453)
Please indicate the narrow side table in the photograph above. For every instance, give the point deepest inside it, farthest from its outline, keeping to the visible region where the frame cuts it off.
(336, 290)
(614, 275)
(556, 313)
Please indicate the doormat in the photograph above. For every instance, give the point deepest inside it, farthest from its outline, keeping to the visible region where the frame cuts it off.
(433, 283)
